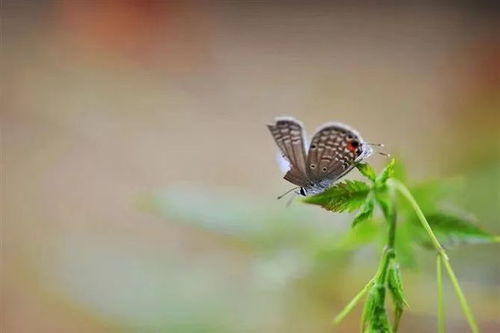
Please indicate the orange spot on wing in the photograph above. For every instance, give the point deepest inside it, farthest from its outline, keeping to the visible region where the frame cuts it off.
(351, 147)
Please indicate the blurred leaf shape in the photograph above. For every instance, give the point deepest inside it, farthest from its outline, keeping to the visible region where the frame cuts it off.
(211, 211)
(385, 203)
(225, 213)
(453, 230)
(269, 229)
(366, 210)
(287, 242)
(430, 195)
(131, 285)
(405, 244)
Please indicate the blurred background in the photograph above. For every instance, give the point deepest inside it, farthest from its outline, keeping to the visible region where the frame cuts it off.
(139, 182)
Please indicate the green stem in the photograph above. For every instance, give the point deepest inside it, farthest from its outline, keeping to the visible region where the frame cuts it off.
(463, 302)
(381, 276)
(391, 240)
(348, 308)
(461, 297)
(440, 310)
(406, 193)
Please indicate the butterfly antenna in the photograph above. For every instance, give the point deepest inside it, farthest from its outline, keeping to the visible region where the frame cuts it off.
(381, 145)
(384, 154)
(289, 202)
(281, 196)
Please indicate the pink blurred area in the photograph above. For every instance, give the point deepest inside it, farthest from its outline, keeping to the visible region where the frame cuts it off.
(151, 34)
(105, 102)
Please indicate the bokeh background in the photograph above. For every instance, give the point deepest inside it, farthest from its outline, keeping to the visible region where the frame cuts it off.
(139, 180)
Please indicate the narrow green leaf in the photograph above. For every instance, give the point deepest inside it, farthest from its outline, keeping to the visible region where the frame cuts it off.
(386, 173)
(375, 317)
(369, 308)
(366, 170)
(395, 286)
(365, 212)
(345, 196)
(454, 230)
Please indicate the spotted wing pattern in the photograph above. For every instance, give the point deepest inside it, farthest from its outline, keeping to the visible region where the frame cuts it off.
(289, 137)
(333, 152)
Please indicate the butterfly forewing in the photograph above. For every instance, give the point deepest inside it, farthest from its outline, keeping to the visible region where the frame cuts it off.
(289, 137)
(333, 152)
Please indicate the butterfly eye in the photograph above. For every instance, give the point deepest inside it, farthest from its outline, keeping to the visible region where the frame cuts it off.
(313, 146)
(313, 166)
(302, 192)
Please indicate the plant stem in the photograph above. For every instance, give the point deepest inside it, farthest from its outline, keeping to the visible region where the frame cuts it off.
(463, 302)
(461, 297)
(406, 193)
(348, 308)
(391, 240)
(380, 278)
(440, 310)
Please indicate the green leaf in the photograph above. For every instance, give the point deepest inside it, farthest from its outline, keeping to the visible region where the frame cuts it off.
(366, 170)
(369, 308)
(345, 196)
(453, 230)
(365, 211)
(396, 288)
(375, 317)
(386, 173)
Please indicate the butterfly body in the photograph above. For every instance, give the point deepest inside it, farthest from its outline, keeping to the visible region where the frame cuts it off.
(334, 151)
(315, 188)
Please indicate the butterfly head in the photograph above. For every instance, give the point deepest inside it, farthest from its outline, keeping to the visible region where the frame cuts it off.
(366, 151)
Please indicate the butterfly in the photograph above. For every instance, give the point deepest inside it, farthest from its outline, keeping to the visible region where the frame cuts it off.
(335, 150)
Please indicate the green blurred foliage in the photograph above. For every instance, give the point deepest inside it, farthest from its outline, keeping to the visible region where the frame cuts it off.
(289, 245)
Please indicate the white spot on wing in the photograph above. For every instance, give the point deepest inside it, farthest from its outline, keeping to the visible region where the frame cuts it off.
(283, 163)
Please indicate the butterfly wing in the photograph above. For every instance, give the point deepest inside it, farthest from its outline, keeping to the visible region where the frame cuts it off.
(289, 136)
(334, 151)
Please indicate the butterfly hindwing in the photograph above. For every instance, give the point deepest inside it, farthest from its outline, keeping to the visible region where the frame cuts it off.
(333, 152)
